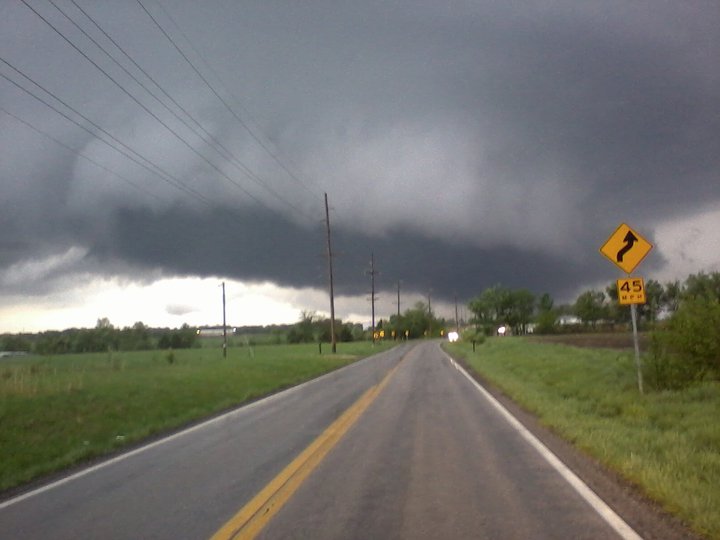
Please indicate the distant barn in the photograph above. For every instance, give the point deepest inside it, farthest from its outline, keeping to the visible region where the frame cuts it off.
(8, 354)
(214, 331)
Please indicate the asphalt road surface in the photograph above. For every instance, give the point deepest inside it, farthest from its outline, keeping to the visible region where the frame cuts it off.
(430, 457)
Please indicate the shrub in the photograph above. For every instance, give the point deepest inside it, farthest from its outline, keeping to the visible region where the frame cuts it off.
(546, 322)
(474, 335)
(688, 349)
(665, 369)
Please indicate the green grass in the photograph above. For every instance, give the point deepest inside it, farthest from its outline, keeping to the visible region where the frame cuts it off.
(58, 411)
(667, 443)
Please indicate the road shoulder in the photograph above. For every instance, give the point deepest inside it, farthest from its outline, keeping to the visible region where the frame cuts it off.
(646, 517)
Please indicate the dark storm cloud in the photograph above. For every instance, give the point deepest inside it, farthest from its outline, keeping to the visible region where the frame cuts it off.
(257, 246)
(466, 144)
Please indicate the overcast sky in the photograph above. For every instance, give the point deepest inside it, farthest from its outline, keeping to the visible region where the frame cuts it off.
(466, 144)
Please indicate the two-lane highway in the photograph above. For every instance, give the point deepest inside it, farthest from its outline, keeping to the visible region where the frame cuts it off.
(432, 458)
(429, 456)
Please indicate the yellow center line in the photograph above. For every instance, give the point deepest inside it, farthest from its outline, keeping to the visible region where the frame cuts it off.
(252, 517)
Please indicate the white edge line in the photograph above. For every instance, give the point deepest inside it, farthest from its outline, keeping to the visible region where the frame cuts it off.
(239, 410)
(600, 506)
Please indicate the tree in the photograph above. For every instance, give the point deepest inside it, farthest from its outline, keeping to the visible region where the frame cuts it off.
(616, 312)
(590, 307)
(346, 332)
(521, 305)
(103, 322)
(15, 343)
(654, 293)
(53, 342)
(687, 349)
(696, 330)
(545, 303)
(702, 286)
(502, 306)
(490, 309)
(417, 322)
(304, 330)
(183, 338)
(671, 296)
(546, 315)
(484, 314)
(135, 338)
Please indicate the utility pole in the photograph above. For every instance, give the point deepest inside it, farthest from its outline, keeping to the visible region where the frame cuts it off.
(224, 324)
(398, 300)
(429, 315)
(372, 292)
(457, 321)
(330, 269)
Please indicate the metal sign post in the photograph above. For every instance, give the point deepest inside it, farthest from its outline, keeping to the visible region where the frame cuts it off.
(626, 248)
(638, 365)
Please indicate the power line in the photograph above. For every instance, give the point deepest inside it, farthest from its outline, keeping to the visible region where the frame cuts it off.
(159, 172)
(80, 154)
(214, 91)
(145, 108)
(275, 157)
(225, 154)
(162, 174)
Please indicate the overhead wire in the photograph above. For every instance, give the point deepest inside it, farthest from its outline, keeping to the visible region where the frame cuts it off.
(57, 141)
(237, 117)
(129, 152)
(238, 103)
(203, 134)
(146, 109)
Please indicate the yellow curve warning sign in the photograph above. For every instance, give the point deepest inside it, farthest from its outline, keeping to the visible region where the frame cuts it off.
(626, 248)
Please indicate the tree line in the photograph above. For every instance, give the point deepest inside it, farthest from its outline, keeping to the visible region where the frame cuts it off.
(416, 322)
(313, 329)
(522, 311)
(104, 337)
(683, 318)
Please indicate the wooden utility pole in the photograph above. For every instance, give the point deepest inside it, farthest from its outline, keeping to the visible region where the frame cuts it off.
(330, 270)
(429, 314)
(457, 321)
(372, 292)
(398, 301)
(224, 324)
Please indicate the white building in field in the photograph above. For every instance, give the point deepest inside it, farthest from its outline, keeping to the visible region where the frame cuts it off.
(565, 320)
(8, 354)
(215, 331)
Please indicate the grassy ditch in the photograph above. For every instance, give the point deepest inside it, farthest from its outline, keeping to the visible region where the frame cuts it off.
(58, 411)
(667, 443)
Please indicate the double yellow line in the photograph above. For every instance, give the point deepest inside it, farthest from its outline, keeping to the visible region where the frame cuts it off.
(250, 520)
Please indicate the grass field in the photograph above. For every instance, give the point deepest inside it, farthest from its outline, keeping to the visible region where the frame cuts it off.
(58, 411)
(667, 443)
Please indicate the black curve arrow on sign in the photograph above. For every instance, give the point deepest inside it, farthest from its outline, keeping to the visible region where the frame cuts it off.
(630, 240)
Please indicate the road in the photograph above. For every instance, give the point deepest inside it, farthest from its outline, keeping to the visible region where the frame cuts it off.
(430, 457)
